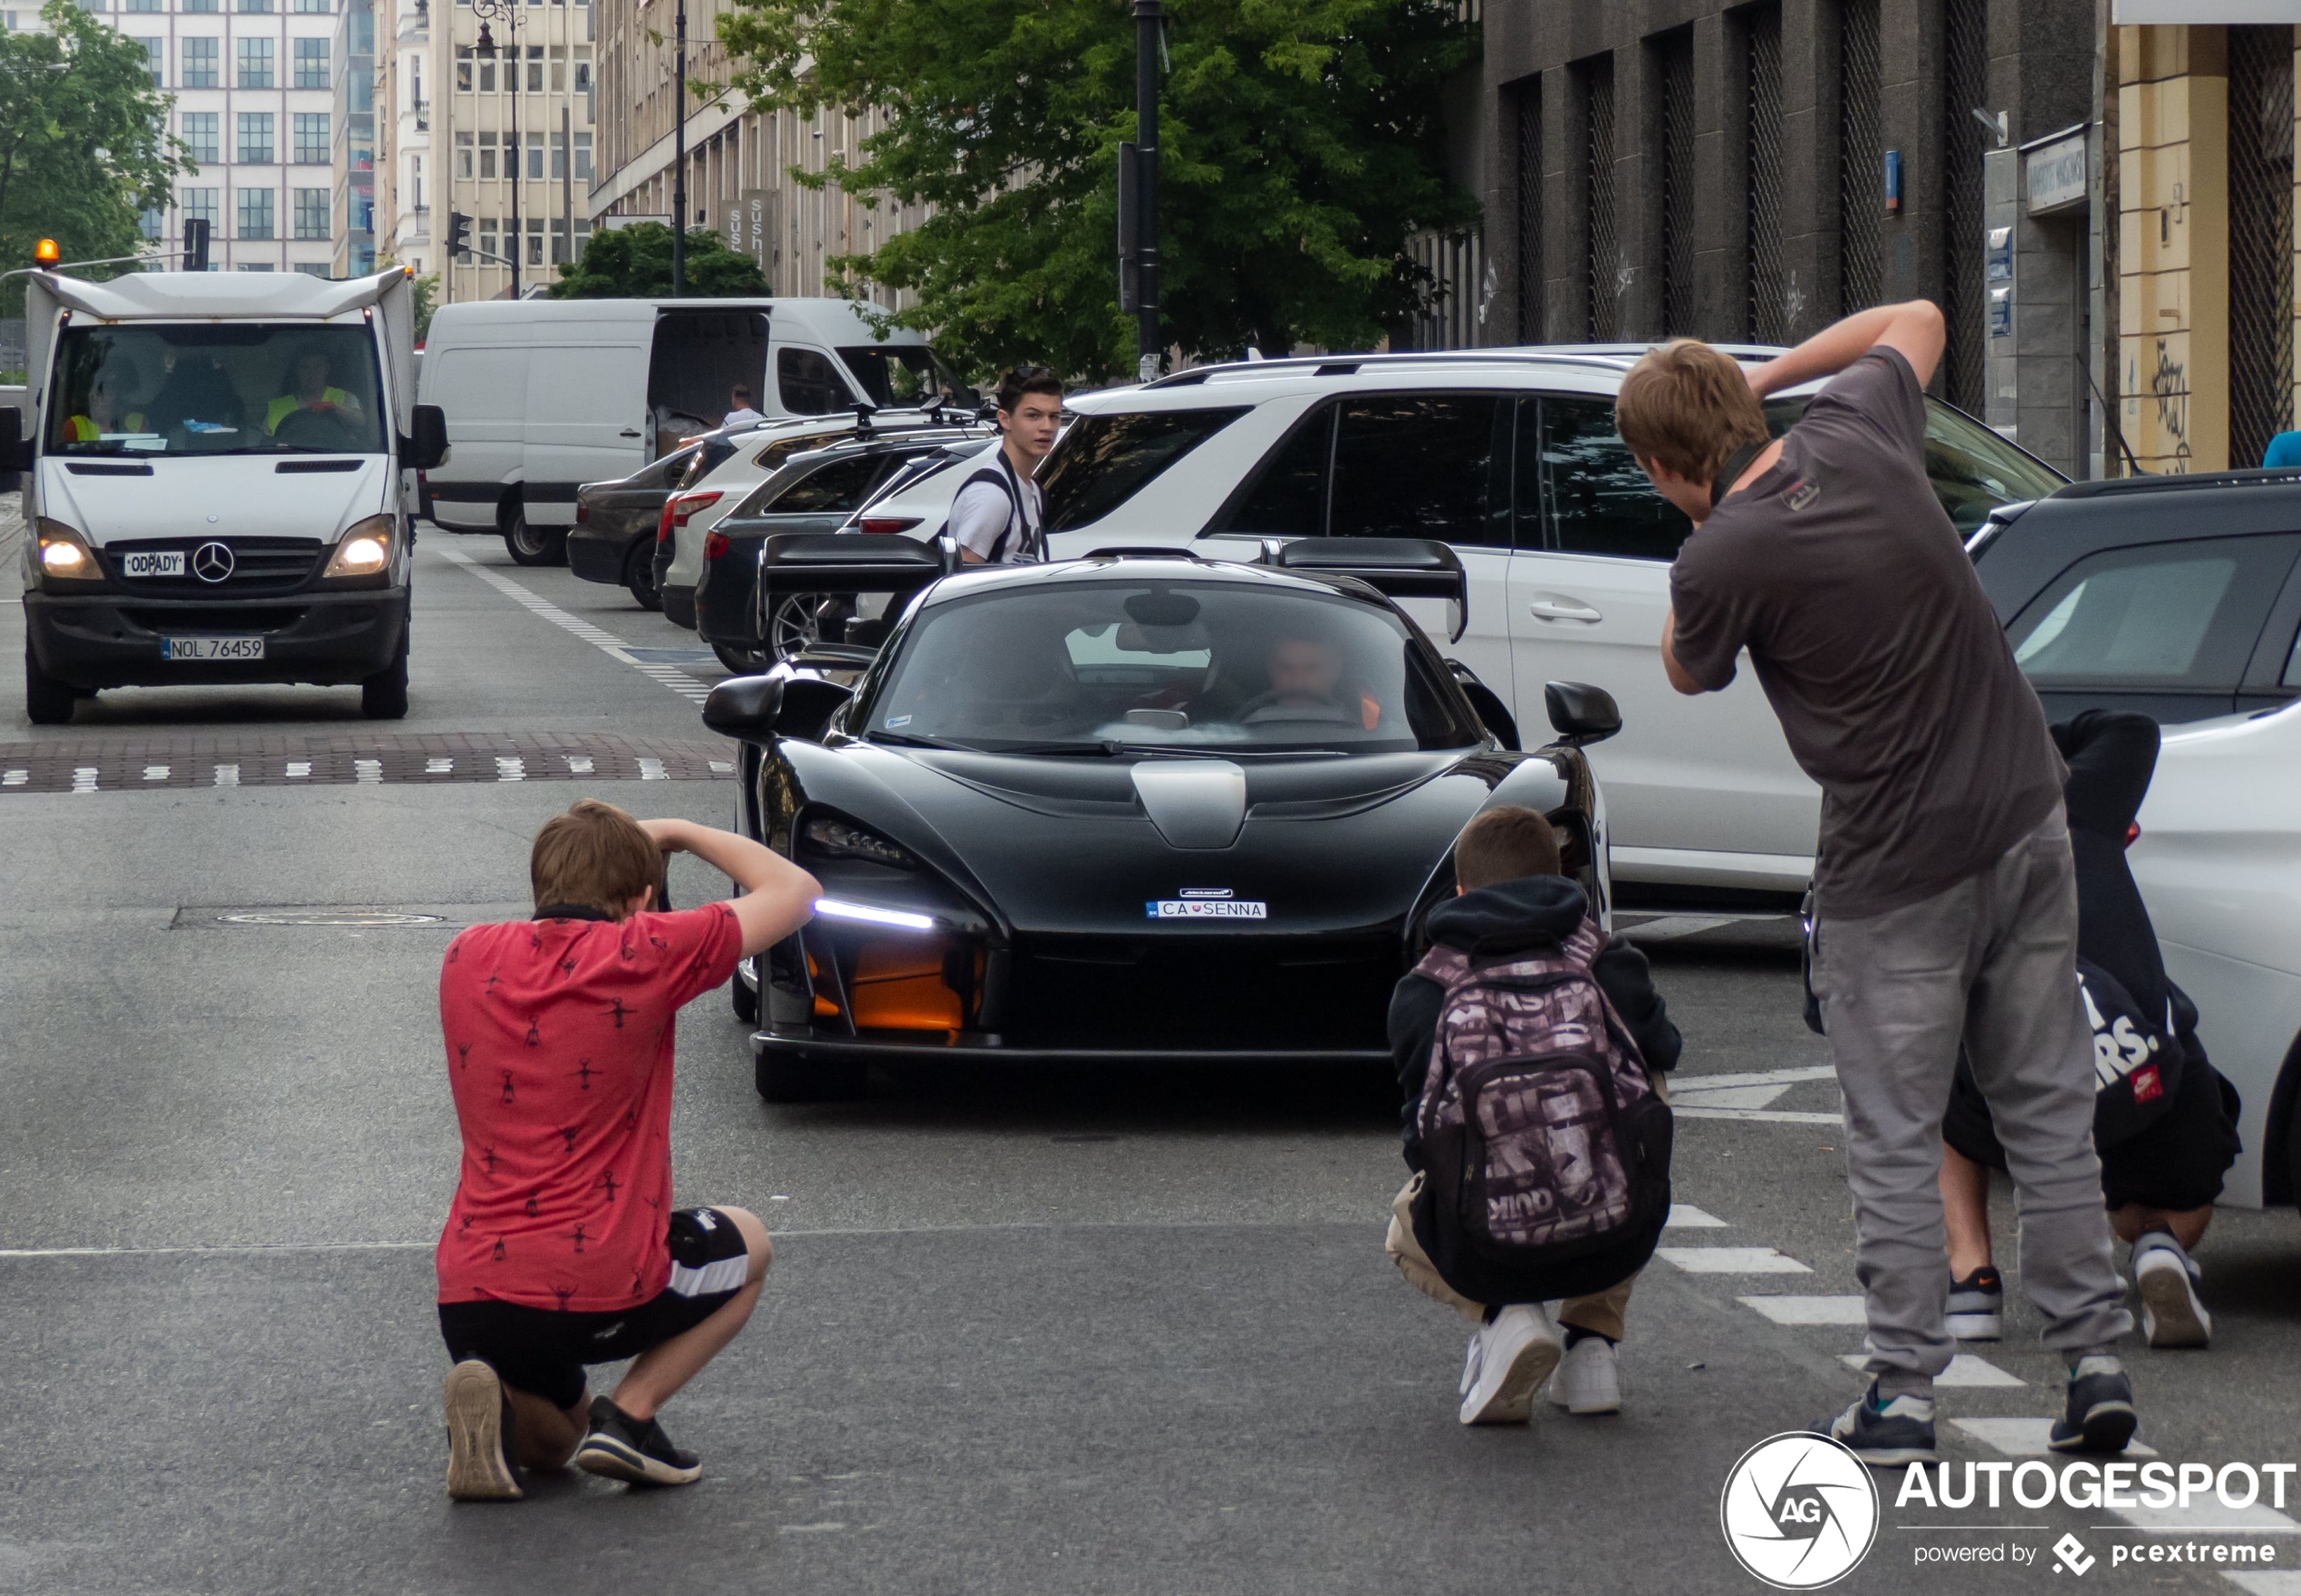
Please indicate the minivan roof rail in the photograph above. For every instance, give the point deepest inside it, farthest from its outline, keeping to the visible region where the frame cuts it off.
(1588, 356)
(2115, 487)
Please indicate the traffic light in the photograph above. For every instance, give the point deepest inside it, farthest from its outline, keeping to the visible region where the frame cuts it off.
(195, 231)
(458, 234)
(45, 253)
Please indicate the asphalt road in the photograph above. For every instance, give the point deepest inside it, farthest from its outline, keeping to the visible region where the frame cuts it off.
(1026, 1332)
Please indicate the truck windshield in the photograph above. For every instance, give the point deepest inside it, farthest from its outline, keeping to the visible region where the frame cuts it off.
(247, 387)
(900, 375)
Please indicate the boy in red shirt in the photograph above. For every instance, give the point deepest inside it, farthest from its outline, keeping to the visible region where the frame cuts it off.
(561, 1248)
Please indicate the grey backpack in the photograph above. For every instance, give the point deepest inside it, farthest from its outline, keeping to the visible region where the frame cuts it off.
(1545, 1149)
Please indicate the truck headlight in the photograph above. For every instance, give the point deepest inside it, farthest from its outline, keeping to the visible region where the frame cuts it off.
(365, 548)
(64, 554)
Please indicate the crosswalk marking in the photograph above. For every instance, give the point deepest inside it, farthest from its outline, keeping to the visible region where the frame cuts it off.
(367, 773)
(227, 775)
(155, 773)
(439, 767)
(299, 768)
(1965, 1370)
(1808, 1310)
(14, 778)
(1686, 1217)
(83, 778)
(511, 769)
(1731, 1261)
(579, 763)
(651, 770)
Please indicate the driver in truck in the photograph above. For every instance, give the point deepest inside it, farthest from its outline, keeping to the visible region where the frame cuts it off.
(311, 391)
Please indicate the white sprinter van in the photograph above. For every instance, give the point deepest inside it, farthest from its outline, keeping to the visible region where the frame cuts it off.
(215, 483)
(544, 394)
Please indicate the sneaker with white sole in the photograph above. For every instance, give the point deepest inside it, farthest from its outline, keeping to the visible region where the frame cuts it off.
(1977, 1309)
(1509, 1360)
(2171, 1314)
(2099, 1416)
(1884, 1434)
(1589, 1378)
(481, 1458)
(621, 1447)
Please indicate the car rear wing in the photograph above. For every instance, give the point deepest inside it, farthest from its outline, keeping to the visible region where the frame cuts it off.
(1400, 567)
(816, 564)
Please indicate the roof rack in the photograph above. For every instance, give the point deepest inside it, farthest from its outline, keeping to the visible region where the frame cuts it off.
(1604, 357)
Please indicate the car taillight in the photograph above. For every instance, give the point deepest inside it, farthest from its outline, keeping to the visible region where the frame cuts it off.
(2132, 833)
(582, 511)
(715, 543)
(887, 523)
(663, 523)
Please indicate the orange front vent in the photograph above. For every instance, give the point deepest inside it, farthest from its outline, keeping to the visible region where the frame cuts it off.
(898, 986)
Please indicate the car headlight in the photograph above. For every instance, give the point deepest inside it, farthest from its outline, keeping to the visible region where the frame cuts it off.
(64, 554)
(365, 548)
(828, 837)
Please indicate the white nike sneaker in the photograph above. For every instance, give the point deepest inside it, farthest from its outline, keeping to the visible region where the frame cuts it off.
(2171, 1314)
(1509, 1358)
(1589, 1380)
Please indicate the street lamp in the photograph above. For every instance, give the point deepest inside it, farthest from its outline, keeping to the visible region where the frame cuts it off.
(507, 13)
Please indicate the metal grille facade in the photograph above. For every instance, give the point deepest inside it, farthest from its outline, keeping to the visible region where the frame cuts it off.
(1965, 88)
(1456, 316)
(1601, 248)
(1533, 302)
(1861, 158)
(1676, 81)
(2260, 239)
(1762, 112)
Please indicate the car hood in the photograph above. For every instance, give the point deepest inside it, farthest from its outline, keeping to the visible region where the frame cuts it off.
(1085, 846)
(235, 495)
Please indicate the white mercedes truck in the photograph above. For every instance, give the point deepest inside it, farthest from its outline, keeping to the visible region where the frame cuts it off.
(218, 483)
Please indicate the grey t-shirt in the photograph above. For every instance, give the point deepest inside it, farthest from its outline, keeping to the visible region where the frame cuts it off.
(1874, 640)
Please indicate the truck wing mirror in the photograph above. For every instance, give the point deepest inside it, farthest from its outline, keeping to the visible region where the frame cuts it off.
(427, 447)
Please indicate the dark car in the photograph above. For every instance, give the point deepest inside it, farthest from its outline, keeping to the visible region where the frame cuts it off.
(2174, 596)
(1139, 806)
(613, 538)
(816, 492)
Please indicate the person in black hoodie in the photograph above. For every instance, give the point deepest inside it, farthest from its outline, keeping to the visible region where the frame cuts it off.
(2163, 1151)
(1510, 897)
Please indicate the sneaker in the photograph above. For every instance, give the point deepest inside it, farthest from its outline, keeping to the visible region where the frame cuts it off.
(1509, 1360)
(621, 1447)
(2172, 1315)
(1588, 1379)
(480, 1454)
(2100, 1416)
(1978, 1306)
(1884, 1434)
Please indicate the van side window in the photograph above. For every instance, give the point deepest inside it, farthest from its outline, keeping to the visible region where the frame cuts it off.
(1600, 500)
(1288, 496)
(809, 384)
(1423, 464)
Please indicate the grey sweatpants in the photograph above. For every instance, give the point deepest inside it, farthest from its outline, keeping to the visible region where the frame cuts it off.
(1991, 962)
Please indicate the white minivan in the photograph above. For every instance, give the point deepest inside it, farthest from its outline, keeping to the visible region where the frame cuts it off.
(544, 394)
(216, 483)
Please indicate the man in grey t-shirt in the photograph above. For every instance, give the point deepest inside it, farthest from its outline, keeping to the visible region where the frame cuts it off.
(1946, 908)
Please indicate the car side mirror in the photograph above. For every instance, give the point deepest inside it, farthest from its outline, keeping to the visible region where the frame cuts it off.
(745, 707)
(427, 447)
(1580, 713)
(15, 450)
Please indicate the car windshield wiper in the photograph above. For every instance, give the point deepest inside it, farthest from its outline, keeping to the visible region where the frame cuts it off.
(1104, 749)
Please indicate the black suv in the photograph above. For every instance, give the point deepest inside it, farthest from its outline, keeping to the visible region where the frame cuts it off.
(2175, 596)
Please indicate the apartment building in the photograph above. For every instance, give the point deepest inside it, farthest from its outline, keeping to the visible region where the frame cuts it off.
(738, 162)
(404, 172)
(256, 95)
(354, 203)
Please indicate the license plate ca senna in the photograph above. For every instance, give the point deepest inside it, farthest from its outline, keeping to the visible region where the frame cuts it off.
(242, 647)
(152, 563)
(1206, 909)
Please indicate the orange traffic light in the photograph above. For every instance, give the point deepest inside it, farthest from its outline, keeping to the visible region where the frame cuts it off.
(47, 253)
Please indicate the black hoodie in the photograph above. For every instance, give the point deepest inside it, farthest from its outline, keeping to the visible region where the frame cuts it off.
(1515, 916)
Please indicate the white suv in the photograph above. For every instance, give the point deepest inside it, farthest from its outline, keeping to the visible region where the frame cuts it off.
(1512, 457)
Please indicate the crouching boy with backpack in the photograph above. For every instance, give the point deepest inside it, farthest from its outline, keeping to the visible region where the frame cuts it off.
(1529, 1045)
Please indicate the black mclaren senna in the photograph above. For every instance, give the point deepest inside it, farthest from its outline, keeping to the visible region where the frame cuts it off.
(1141, 806)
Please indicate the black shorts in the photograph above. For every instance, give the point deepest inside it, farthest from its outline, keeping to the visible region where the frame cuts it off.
(2175, 1164)
(542, 1351)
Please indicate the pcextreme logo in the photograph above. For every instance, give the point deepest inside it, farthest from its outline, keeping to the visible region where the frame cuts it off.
(1799, 1511)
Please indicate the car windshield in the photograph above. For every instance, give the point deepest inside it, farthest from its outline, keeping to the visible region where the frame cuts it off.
(900, 375)
(1972, 469)
(216, 388)
(1210, 667)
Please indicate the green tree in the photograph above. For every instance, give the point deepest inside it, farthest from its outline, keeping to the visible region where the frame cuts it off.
(635, 263)
(427, 293)
(1301, 145)
(85, 146)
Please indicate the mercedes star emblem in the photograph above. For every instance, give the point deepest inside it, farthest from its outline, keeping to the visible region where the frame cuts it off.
(212, 562)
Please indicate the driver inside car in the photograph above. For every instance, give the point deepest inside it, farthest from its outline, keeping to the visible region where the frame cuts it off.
(1307, 674)
(311, 392)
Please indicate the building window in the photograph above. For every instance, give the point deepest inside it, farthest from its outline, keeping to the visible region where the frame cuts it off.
(583, 75)
(415, 179)
(256, 218)
(256, 137)
(463, 155)
(1860, 169)
(534, 67)
(486, 74)
(487, 246)
(256, 266)
(583, 156)
(486, 154)
(139, 5)
(255, 5)
(91, 4)
(155, 59)
(1599, 263)
(1768, 308)
(2260, 259)
(199, 135)
(311, 139)
(463, 69)
(535, 241)
(200, 5)
(559, 69)
(199, 66)
(320, 7)
(559, 240)
(559, 156)
(535, 155)
(256, 61)
(1965, 83)
(312, 63)
(198, 205)
(312, 268)
(1676, 83)
(311, 213)
(149, 222)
